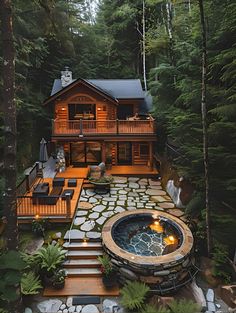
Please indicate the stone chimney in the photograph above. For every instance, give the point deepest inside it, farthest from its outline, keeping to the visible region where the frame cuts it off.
(66, 77)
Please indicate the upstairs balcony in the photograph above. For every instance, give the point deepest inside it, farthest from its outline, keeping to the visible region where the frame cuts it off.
(106, 127)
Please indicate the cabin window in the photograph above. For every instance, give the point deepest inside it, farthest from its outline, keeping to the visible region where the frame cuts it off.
(143, 149)
(82, 111)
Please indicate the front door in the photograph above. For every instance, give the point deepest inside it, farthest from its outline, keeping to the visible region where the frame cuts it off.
(84, 153)
(124, 153)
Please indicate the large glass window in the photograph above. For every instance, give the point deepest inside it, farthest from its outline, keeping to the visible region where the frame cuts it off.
(85, 153)
(82, 111)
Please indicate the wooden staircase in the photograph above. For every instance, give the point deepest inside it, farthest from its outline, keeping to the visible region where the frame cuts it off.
(83, 272)
(82, 258)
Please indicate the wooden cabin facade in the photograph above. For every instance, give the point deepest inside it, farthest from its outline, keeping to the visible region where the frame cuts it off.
(102, 120)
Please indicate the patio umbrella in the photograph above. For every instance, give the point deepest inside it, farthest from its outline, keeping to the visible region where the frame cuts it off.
(43, 153)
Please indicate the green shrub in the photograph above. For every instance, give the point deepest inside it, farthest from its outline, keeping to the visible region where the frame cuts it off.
(220, 259)
(30, 284)
(133, 295)
(31, 261)
(152, 309)
(50, 257)
(184, 306)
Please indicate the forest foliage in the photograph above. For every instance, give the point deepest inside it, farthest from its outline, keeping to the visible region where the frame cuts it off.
(52, 34)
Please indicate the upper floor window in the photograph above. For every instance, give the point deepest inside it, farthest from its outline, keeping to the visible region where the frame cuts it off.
(82, 111)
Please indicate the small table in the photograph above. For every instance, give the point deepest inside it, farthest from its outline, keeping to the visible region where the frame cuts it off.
(72, 182)
(58, 182)
(69, 192)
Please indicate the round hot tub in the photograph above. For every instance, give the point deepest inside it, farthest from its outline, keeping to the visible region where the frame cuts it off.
(150, 246)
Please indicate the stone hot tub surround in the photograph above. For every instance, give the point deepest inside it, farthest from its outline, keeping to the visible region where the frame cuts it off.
(166, 268)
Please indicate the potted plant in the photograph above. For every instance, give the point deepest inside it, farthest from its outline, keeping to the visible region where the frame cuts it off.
(30, 286)
(50, 259)
(108, 273)
(58, 280)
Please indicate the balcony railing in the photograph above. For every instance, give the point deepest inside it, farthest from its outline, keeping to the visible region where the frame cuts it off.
(109, 127)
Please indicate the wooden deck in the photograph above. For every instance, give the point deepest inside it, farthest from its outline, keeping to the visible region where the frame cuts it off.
(27, 211)
(74, 172)
(116, 170)
(132, 170)
(90, 286)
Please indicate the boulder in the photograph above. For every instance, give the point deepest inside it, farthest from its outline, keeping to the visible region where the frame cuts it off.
(128, 274)
(69, 301)
(28, 310)
(211, 306)
(90, 308)
(162, 273)
(49, 306)
(198, 295)
(210, 295)
(109, 306)
(78, 308)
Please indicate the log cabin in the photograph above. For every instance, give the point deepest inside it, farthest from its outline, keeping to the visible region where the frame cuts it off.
(102, 120)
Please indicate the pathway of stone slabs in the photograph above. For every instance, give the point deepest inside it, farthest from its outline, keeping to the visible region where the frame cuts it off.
(125, 194)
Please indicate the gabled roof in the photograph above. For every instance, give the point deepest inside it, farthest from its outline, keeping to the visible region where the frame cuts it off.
(114, 89)
(58, 90)
(117, 88)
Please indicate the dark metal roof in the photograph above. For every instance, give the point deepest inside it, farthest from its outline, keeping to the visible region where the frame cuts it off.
(116, 88)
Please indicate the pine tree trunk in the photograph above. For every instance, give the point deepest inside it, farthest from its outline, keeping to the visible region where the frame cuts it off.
(9, 158)
(204, 125)
(144, 49)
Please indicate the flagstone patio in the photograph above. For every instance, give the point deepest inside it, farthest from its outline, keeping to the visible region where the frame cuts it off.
(125, 194)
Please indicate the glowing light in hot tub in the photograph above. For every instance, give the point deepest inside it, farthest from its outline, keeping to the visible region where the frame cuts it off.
(156, 226)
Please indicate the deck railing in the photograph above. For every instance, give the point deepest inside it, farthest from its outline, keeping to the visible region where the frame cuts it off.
(28, 206)
(29, 179)
(91, 127)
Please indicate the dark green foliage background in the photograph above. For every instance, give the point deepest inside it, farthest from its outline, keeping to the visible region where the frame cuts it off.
(52, 34)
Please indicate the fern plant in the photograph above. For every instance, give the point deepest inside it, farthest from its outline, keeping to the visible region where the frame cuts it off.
(30, 284)
(152, 309)
(50, 257)
(133, 295)
(106, 266)
(184, 306)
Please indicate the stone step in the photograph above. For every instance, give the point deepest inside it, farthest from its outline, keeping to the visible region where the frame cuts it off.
(81, 263)
(82, 272)
(82, 245)
(83, 254)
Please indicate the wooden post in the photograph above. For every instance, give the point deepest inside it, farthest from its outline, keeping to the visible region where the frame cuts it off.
(68, 205)
(150, 156)
(81, 126)
(103, 151)
(117, 127)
